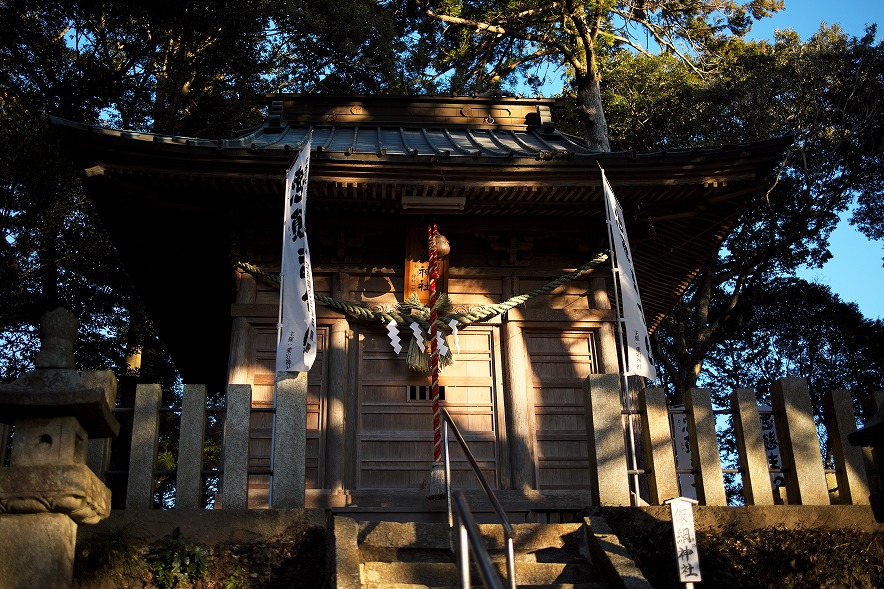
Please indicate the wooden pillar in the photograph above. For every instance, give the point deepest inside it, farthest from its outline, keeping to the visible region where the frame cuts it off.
(336, 455)
(143, 454)
(750, 448)
(241, 332)
(607, 452)
(189, 482)
(609, 362)
(853, 485)
(520, 435)
(351, 432)
(704, 448)
(663, 481)
(799, 444)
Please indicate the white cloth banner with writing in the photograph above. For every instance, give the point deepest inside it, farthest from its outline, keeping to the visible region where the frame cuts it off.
(296, 347)
(639, 360)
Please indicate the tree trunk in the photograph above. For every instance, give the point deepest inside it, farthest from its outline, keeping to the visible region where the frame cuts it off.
(591, 113)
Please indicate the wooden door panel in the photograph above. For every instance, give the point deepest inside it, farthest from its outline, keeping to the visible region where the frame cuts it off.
(395, 422)
(560, 362)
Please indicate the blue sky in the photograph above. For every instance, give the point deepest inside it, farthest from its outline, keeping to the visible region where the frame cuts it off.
(855, 272)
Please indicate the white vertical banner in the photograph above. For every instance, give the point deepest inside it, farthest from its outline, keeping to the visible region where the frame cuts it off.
(296, 344)
(687, 484)
(639, 360)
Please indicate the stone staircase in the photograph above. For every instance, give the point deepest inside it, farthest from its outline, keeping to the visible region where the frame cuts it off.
(395, 555)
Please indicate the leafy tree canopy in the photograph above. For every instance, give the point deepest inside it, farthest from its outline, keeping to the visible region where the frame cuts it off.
(826, 95)
(481, 44)
(194, 66)
(190, 67)
(801, 329)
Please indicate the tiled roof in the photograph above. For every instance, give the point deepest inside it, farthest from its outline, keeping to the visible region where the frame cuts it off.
(419, 142)
(378, 141)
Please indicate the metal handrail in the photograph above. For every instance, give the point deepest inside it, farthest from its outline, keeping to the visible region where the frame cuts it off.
(469, 537)
(508, 531)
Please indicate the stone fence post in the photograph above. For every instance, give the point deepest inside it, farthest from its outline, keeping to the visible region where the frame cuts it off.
(48, 489)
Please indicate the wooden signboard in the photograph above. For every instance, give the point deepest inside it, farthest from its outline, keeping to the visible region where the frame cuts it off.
(417, 258)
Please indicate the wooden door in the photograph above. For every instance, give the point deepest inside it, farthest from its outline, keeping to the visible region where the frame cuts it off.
(395, 437)
(560, 362)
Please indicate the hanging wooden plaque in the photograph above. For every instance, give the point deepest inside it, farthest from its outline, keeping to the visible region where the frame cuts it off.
(417, 258)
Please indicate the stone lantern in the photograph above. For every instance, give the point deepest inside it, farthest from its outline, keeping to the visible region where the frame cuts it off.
(48, 489)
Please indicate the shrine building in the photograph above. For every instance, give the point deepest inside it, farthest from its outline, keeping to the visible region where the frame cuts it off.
(199, 222)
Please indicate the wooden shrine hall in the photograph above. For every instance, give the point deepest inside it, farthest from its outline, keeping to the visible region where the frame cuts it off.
(520, 204)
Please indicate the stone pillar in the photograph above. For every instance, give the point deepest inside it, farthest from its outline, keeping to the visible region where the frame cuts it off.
(289, 441)
(143, 453)
(607, 453)
(48, 489)
(663, 481)
(191, 439)
(799, 444)
(853, 483)
(704, 448)
(235, 482)
(871, 435)
(750, 448)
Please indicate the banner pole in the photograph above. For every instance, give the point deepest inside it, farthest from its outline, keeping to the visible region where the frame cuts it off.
(624, 379)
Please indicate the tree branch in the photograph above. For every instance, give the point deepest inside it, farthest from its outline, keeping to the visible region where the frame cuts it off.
(488, 28)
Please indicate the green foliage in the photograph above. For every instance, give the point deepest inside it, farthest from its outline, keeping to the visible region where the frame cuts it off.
(293, 559)
(195, 66)
(176, 560)
(239, 579)
(114, 556)
(801, 329)
(761, 557)
(825, 94)
(479, 46)
(55, 252)
(190, 67)
(340, 47)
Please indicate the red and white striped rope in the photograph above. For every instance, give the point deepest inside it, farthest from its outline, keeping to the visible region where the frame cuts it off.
(432, 234)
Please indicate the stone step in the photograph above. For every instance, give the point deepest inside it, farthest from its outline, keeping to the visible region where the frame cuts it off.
(529, 537)
(598, 585)
(397, 555)
(446, 574)
(387, 554)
